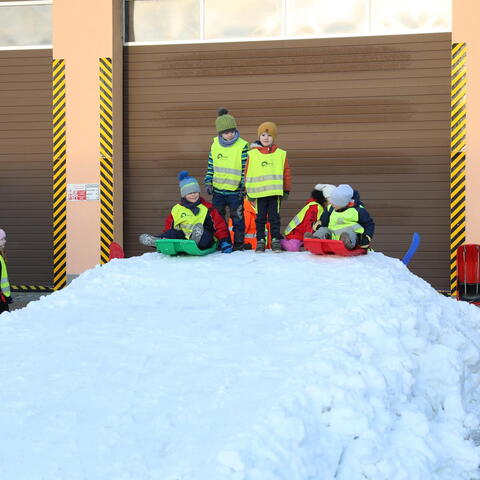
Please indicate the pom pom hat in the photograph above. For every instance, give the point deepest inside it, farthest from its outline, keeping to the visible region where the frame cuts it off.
(325, 188)
(187, 184)
(225, 121)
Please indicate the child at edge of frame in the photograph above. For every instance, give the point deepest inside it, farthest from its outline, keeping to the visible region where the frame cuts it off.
(225, 179)
(268, 181)
(5, 293)
(192, 219)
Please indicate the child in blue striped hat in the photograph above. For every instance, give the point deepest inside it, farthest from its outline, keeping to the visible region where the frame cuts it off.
(193, 219)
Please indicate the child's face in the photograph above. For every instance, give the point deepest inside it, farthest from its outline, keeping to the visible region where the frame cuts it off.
(3, 241)
(192, 197)
(266, 140)
(228, 135)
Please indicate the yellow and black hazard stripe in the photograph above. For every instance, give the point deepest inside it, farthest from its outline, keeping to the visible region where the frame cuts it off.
(59, 177)
(30, 288)
(457, 157)
(106, 158)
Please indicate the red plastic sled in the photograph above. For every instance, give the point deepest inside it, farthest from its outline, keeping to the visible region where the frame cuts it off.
(116, 251)
(331, 247)
(468, 273)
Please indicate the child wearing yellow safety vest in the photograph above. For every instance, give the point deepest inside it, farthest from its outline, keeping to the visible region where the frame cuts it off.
(267, 179)
(5, 295)
(346, 220)
(193, 219)
(304, 221)
(225, 174)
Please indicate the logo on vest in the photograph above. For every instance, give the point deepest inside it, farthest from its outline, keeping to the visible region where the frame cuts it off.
(220, 156)
(340, 221)
(265, 163)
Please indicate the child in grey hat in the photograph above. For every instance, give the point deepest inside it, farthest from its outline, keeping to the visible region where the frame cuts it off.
(346, 220)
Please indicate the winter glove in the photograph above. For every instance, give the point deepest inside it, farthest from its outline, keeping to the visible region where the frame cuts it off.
(285, 196)
(365, 241)
(316, 225)
(226, 247)
(209, 189)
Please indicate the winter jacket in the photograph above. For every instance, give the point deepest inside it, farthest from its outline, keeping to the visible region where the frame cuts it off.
(287, 177)
(311, 216)
(213, 218)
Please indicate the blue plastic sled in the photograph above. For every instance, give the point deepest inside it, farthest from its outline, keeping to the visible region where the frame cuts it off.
(174, 247)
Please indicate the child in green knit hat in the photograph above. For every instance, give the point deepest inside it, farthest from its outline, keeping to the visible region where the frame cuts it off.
(225, 179)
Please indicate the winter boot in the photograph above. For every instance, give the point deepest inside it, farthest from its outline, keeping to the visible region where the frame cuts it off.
(260, 246)
(349, 239)
(240, 247)
(197, 232)
(276, 246)
(148, 240)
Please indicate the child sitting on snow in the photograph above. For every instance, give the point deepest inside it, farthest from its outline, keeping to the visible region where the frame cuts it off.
(306, 218)
(345, 220)
(192, 219)
(5, 295)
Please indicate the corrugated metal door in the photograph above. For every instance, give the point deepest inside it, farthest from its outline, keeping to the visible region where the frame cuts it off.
(26, 164)
(370, 111)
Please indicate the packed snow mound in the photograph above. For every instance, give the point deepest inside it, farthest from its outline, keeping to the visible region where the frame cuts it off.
(241, 367)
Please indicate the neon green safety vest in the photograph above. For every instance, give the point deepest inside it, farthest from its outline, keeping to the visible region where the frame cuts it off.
(227, 164)
(265, 173)
(184, 219)
(298, 218)
(4, 283)
(341, 220)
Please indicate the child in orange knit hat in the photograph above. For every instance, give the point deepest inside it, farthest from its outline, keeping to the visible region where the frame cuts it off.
(268, 181)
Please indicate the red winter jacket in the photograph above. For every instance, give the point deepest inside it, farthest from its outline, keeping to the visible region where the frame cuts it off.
(307, 223)
(219, 224)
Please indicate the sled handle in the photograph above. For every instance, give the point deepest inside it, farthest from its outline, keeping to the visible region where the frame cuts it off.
(415, 243)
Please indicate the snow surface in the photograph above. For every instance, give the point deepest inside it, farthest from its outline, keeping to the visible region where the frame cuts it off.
(244, 367)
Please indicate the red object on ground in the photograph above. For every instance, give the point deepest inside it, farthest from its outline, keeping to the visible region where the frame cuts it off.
(331, 247)
(468, 273)
(116, 251)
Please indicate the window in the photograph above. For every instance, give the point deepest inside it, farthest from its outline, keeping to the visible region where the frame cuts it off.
(174, 21)
(25, 24)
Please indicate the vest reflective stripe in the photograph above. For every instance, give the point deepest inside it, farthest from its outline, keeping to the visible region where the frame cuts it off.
(339, 221)
(4, 283)
(298, 218)
(184, 219)
(227, 164)
(265, 173)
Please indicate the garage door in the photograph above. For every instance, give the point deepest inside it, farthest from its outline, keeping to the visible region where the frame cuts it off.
(373, 112)
(26, 164)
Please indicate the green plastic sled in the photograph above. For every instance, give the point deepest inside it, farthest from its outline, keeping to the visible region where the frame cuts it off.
(174, 247)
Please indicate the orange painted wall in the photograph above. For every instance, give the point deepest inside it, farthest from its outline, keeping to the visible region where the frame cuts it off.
(465, 29)
(82, 33)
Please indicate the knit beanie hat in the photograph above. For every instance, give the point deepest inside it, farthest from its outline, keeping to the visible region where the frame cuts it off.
(225, 121)
(325, 188)
(187, 184)
(269, 127)
(2, 234)
(341, 196)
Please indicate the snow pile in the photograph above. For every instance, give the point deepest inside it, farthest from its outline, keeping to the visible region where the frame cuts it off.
(241, 367)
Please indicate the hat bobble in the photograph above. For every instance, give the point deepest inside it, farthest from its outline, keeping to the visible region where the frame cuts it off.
(341, 196)
(3, 235)
(187, 184)
(325, 188)
(225, 121)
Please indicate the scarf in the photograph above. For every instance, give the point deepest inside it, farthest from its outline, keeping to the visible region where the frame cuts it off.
(193, 206)
(225, 143)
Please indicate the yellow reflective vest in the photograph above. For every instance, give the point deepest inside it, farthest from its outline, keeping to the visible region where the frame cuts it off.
(4, 283)
(298, 218)
(341, 220)
(265, 173)
(227, 164)
(184, 219)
